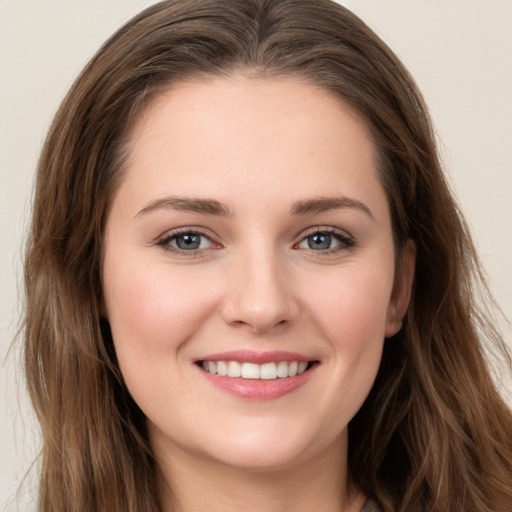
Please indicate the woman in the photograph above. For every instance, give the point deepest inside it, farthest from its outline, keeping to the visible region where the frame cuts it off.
(248, 286)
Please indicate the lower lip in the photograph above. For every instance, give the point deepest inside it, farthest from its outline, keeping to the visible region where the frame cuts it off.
(259, 389)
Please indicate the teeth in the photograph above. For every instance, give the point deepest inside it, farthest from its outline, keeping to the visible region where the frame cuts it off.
(282, 369)
(222, 368)
(250, 371)
(302, 367)
(267, 371)
(234, 369)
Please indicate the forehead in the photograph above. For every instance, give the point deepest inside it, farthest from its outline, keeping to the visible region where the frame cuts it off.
(247, 134)
(246, 102)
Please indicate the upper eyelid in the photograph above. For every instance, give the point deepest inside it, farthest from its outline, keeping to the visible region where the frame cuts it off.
(164, 243)
(346, 240)
(325, 229)
(170, 233)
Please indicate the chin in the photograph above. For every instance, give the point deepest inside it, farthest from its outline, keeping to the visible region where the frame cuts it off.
(266, 452)
(254, 459)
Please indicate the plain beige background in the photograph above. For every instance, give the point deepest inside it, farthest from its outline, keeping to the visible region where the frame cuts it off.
(460, 52)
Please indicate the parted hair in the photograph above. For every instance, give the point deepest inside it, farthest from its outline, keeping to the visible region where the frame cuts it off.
(433, 434)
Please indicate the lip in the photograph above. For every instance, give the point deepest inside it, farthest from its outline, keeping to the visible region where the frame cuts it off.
(251, 356)
(258, 389)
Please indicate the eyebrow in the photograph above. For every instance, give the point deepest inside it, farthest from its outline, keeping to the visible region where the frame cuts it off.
(214, 207)
(187, 204)
(323, 204)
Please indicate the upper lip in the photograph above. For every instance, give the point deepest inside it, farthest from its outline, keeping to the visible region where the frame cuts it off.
(251, 356)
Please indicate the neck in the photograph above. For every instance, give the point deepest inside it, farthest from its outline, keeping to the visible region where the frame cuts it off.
(189, 483)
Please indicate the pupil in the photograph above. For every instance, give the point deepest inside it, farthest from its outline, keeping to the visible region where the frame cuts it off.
(319, 241)
(188, 242)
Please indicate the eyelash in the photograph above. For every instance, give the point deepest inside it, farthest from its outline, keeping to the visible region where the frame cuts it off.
(346, 242)
(165, 242)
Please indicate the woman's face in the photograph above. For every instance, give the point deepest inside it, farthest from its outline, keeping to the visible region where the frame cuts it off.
(250, 235)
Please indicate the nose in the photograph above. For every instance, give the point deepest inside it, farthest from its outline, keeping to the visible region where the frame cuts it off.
(261, 295)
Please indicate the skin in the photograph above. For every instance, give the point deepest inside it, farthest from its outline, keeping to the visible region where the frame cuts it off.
(257, 146)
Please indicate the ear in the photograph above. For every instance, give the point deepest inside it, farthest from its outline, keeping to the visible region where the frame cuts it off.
(402, 288)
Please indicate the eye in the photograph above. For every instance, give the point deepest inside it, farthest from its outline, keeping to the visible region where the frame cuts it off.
(326, 240)
(186, 241)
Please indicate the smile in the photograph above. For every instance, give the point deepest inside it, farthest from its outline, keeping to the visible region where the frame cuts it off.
(254, 375)
(245, 370)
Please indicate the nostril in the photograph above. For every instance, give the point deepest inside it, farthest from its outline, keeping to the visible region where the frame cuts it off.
(259, 324)
(259, 304)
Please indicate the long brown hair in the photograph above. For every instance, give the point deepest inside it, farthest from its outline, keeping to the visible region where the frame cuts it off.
(433, 435)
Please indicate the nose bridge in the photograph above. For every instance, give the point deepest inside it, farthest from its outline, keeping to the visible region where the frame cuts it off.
(261, 295)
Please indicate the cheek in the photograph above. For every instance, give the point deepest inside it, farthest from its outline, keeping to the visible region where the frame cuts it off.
(352, 306)
(351, 315)
(151, 312)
